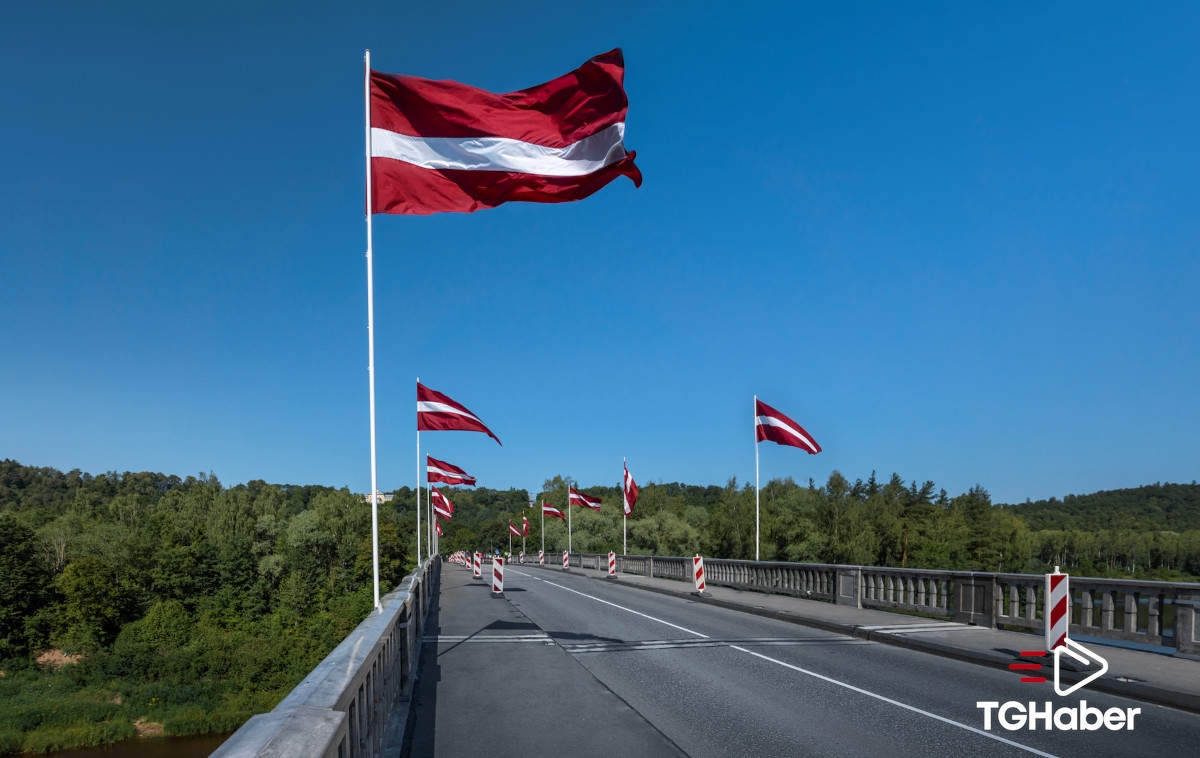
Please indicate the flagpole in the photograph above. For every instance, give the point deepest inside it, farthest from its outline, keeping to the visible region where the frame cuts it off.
(569, 550)
(371, 331)
(418, 490)
(624, 510)
(543, 510)
(756, 477)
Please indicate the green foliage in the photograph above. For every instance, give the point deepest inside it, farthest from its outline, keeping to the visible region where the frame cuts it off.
(23, 581)
(195, 605)
(1151, 508)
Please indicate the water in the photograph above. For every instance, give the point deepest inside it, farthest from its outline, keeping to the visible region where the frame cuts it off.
(198, 746)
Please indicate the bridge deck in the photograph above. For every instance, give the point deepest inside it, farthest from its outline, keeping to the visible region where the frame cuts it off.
(569, 662)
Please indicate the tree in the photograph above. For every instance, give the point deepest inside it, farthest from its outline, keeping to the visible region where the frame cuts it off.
(23, 584)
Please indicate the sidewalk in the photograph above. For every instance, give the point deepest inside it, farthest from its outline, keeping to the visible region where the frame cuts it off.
(1149, 676)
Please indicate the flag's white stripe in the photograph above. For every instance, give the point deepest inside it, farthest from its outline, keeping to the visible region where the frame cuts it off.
(772, 421)
(424, 406)
(584, 157)
(452, 474)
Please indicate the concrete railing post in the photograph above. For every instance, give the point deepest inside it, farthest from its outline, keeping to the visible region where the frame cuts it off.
(975, 600)
(848, 586)
(1187, 623)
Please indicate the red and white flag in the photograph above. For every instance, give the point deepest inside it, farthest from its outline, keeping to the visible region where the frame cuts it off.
(578, 498)
(441, 504)
(514, 530)
(441, 146)
(437, 523)
(770, 424)
(438, 413)
(550, 510)
(525, 526)
(630, 492)
(440, 471)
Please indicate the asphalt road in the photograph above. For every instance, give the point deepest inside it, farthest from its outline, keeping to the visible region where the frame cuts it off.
(716, 682)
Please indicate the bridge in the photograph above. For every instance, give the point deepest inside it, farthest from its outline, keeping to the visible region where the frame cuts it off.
(772, 659)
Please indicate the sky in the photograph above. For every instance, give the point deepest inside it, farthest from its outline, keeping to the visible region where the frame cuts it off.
(956, 242)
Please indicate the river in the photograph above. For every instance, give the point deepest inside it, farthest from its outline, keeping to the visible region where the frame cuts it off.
(197, 746)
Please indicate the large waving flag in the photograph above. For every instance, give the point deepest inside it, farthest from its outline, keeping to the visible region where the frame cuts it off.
(525, 527)
(441, 504)
(512, 528)
(630, 492)
(550, 510)
(770, 424)
(578, 498)
(440, 471)
(443, 146)
(438, 413)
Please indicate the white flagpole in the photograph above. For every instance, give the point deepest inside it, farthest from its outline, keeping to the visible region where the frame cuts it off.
(569, 550)
(371, 331)
(756, 477)
(624, 508)
(418, 491)
(543, 529)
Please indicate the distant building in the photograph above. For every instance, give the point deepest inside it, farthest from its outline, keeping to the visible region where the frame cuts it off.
(380, 497)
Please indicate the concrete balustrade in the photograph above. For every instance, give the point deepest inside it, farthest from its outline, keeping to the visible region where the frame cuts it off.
(344, 707)
(1154, 613)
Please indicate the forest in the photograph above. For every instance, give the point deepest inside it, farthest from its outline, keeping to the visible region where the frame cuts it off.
(141, 603)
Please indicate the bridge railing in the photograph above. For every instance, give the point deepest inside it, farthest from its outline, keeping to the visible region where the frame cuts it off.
(343, 707)
(1165, 614)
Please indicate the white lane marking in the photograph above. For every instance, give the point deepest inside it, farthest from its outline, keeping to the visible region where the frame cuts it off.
(920, 628)
(914, 709)
(614, 605)
(822, 677)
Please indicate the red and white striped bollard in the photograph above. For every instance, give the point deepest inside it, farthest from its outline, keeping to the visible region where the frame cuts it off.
(612, 564)
(1058, 609)
(566, 562)
(698, 574)
(497, 577)
(541, 557)
(478, 566)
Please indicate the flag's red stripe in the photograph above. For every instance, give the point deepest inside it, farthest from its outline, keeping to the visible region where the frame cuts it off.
(558, 113)
(403, 188)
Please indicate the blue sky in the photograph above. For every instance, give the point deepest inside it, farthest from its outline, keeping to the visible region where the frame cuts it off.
(957, 243)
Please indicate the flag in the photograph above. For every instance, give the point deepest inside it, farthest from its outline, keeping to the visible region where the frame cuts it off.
(525, 528)
(550, 510)
(440, 471)
(441, 146)
(513, 528)
(630, 492)
(578, 498)
(437, 523)
(441, 504)
(770, 424)
(438, 413)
